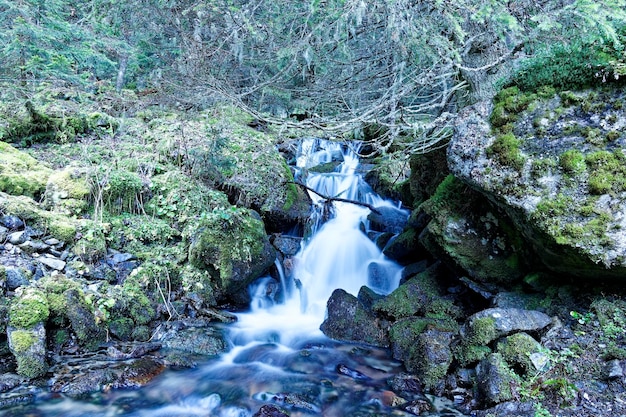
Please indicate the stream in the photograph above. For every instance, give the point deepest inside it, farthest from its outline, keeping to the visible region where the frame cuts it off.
(278, 356)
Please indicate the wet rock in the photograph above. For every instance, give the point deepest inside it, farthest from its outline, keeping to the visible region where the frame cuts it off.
(118, 258)
(496, 382)
(53, 263)
(388, 219)
(412, 270)
(292, 401)
(12, 400)
(287, 245)
(202, 341)
(419, 406)
(405, 384)
(405, 248)
(351, 373)
(9, 381)
(83, 377)
(131, 351)
(349, 320)
(82, 320)
(11, 222)
(270, 411)
(507, 321)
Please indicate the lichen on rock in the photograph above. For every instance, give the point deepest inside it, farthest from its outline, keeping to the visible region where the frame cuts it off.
(561, 180)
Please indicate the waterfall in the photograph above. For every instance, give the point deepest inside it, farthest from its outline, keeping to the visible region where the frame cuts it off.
(339, 254)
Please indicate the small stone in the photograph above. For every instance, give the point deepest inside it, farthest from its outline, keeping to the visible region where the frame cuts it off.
(15, 278)
(31, 246)
(614, 369)
(122, 257)
(64, 255)
(12, 222)
(53, 263)
(52, 241)
(17, 238)
(539, 360)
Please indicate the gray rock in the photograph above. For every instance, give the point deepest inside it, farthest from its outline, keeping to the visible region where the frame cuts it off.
(52, 241)
(32, 246)
(15, 277)
(9, 381)
(11, 222)
(207, 341)
(118, 258)
(287, 245)
(614, 369)
(270, 411)
(53, 263)
(432, 357)
(30, 357)
(3, 233)
(17, 238)
(508, 320)
(349, 320)
(496, 382)
(388, 219)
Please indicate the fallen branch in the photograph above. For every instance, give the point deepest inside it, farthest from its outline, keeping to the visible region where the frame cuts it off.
(341, 200)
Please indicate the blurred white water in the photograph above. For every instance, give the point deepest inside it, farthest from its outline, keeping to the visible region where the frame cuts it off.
(338, 255)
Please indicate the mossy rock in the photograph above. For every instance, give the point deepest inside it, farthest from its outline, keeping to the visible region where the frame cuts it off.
(232, 245)
(29, 348)
(223, 150)
(21, 174)
(68, 191)
(554, 163)
(421, 295)
(180, 199)
(28, 309)
(516, 350)
(467, 231)
(57, 225)
(496, 381)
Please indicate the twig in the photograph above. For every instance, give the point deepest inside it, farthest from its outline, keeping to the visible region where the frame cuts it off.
(341, 200)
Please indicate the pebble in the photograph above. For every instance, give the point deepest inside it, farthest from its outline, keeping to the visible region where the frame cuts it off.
(17, 238)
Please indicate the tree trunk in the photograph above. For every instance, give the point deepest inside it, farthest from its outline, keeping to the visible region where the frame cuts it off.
(121, 72)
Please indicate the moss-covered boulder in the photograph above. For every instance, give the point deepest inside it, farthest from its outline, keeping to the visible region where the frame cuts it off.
(68, 190)
(21, 174)
(348, 319)
(421, 295)
(232, 245)
(471, 234)
(221, 148)
(496, 381)
(555, 163)
(26, 332)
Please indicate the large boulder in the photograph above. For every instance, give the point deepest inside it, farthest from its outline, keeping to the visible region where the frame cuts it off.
(555, 164)
(232, 245)
(20, 173)
(241, 161)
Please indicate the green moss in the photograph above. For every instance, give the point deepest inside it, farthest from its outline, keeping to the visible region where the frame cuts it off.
(611, 316)
(31, 367)
(91, 244)
(469, 354)
(572, 162)
(516, 350)
(607, 172)
(68, 191)
(482, 331)
(292, 189)
(506, 149)
(22, 340)
(121, 191)
(21, 174)
(29, 309)
(223, 237)
(178, 198)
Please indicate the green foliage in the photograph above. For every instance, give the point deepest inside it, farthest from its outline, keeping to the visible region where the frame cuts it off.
(607, 172)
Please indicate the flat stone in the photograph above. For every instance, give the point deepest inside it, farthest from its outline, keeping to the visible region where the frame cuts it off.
(52, 241)
(15, 278)
(512, 320)
(118, 258)
(53, 263)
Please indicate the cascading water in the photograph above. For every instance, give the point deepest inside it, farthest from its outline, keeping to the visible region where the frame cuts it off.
(278, 355)
(338, 255)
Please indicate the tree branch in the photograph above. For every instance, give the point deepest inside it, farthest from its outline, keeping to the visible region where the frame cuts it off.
(341, 200)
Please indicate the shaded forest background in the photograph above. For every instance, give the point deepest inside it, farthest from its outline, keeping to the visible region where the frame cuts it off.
(397, 71)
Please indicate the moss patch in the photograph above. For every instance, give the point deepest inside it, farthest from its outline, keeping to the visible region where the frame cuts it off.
(29, 309)
(21, 174)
